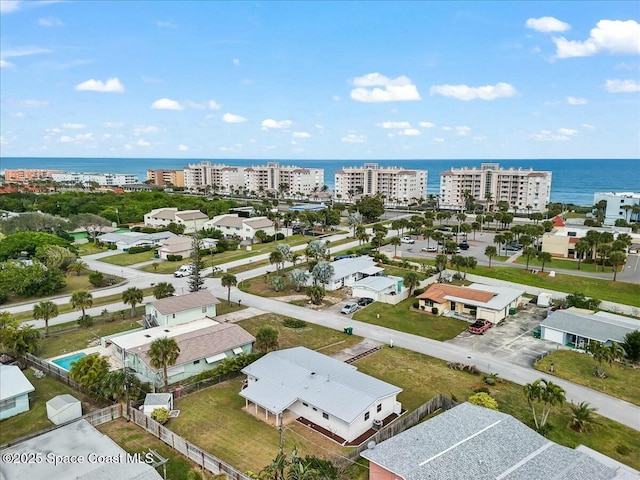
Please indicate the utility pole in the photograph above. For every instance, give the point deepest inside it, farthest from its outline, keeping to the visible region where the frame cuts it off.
(281, 439)
(126, 385)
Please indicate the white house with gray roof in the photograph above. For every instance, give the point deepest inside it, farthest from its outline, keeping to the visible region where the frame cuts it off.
(331, 394)
(472, 442)
(179, 309)
(243, 227)
(576, 328)
(347, 271)
(126, 240)
(380, 288)
(161, 217)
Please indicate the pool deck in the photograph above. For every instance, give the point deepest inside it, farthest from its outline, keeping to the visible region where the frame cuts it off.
(115, 363)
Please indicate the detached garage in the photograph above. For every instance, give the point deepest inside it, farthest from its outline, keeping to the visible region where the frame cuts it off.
(63, 409)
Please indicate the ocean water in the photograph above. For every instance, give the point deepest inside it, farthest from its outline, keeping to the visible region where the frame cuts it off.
(574, 181)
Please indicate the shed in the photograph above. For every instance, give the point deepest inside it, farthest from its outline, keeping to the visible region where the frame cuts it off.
(64, 408)
(544, 300)
(157, 400)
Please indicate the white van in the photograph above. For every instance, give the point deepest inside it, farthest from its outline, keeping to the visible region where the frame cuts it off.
(183, 271)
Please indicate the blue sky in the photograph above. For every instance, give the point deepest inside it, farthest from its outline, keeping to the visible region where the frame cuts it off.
(325, 80)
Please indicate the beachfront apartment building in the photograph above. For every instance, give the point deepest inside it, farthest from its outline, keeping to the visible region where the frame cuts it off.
(102, 179)
(289, 180)
(398, 185)
(162, 177)
(620, 206)
(525, 190)
(22, 175)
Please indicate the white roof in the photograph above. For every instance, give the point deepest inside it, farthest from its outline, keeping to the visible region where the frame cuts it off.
(13, 382)
(129, 341)
(334, 387)
(602, 326)
(371, 270)
(346, 267)
(62, 401)
(158, 398)
(378, 283)
(504, 296)
(129, 238)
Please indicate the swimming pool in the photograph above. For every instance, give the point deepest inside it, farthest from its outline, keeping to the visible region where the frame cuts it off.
(65, 362)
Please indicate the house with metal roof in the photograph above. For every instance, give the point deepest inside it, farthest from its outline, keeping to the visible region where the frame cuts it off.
(125, 240)
(468, 441)
(347, 271)
(576, 328)
(475, 301)
(102, 458)
(161, 217)
(179, 309)
(319, 391)
(14, 391)
(241, 226)
(203, 345)
(380, 288)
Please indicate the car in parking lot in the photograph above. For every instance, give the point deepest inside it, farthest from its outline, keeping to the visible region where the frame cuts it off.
(349, 307)
(364, 301)
(407, 240)
(514, 246)
(463, 246)
(429, 249)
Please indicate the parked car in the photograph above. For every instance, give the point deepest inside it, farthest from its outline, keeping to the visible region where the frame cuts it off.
(445, 229)
(348, 308)
(480, 326)
(429, 249)
(407, 240)
(463, 246)
(364, 301)
(183, 271)
(514, 246)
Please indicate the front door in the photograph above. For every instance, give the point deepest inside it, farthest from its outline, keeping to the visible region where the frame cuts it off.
(453, 306)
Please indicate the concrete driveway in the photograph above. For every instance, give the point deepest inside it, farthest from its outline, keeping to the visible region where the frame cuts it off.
(511, 339)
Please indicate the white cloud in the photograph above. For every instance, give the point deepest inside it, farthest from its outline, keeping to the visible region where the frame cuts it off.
(5, 64)
(293, 142)
(622, 86)
(608, 36)
(301, 135)
(113, 124)
(376, 88)
(145, 129)
(74, 126)
(34, 103)
(560, 135)
(50, 22)
(197, 106)
(576, 101)
(76, 139)
(142, 143)
(276, 124)
(166, 104)
(336, 98)
(162, 24)
(410, 132)
(18, 114)
(213, 105)
(112, 85)
(3, 141)
(19, 52)
(547, 24)
(586, 125)
(236, 62)
(231, 118)
(463, 131)
(438, 139)
(426, 124)
(393, 125)
(182, 148)
(106, 136)
(447, 129)
(567, 131)
(466, 93)
(354, 138)
(319, 127)
(8, 6)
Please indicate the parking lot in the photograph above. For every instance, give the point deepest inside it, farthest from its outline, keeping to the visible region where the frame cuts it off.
(512, 338)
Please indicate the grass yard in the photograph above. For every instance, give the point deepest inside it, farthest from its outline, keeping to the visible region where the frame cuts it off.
(565, 264)
(89, 248)
(164, 267)
(621, 382)
(127, 259)
(399, 317)
(36, 418)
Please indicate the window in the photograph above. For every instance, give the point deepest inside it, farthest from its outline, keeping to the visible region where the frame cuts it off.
(204, 309)
(379, 408)
(7, 404)
(173, 315)
(305, 404)
(314, 409)
(325, 415)
(196, 362)
(366, 416)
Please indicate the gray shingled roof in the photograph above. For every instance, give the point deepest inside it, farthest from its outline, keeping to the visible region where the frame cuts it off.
(603, 328)
(182, 303)
(302, 374)
(468, 441)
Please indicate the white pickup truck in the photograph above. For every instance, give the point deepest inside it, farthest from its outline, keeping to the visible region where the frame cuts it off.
(183, 271)
(407, 240)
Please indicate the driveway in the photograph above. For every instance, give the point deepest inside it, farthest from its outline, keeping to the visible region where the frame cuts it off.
(512, 339)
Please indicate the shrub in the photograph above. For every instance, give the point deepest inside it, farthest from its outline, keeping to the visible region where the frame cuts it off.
(418, 291)
(112, 246)
(434, 310)
(85, 321)
(294, 323)
(416, 305)
(160, 415)
(3, 297)
(279, 236)
(490, 380)
(484, 400)
(174, 258)
(97, 279)
(140, 249)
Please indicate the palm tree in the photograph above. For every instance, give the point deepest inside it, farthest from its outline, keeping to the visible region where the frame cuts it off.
(266, 339)
(45, 311)
(603, 252)
(275, 258)
(228, 280)
(581, 248)
(395, 241)
(470, 263)
(78, 266)
(441, 264)
(81, 300)
(411, 281)
(617, 258)
(132, 296)
(529, 252)
(498, 239)
(298, 278)
(163, 353)
(458, 261)
(601, 353)
(544, 257)
(490, 252)
(581, 418)
(163, 290)
(547, 393)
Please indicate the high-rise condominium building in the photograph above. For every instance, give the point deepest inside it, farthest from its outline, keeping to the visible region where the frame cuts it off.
(28, 174)
(620, 206)
(166, 177)
(102, 179)
(398, 185)
(525, 190)
(292, 181)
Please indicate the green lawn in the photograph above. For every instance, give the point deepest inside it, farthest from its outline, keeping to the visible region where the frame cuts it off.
(400, 317)
(621, 382)
(565, 264)
(36, 418)
(89, 248)
(127, 259)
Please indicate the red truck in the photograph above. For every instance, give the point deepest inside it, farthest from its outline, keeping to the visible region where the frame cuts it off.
(480, 326)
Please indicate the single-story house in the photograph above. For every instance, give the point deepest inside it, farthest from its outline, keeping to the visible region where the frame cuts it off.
(576, 328)
(475, 301)
(64, 408)
(203, 345)
(243, 227)
(14, 391)
(180, 309)
(82, 233)
(178, 245)
(125, 240)
(153, 401)
(327, 392)
(378, 287)
(161, 217)
(468, 441)
(347, 271)
(75, 439)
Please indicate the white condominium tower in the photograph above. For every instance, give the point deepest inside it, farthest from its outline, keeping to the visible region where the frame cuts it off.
(398, 185)
(525, 190)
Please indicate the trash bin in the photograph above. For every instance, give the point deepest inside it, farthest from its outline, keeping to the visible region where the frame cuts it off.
(348, 330)
(512, 311)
